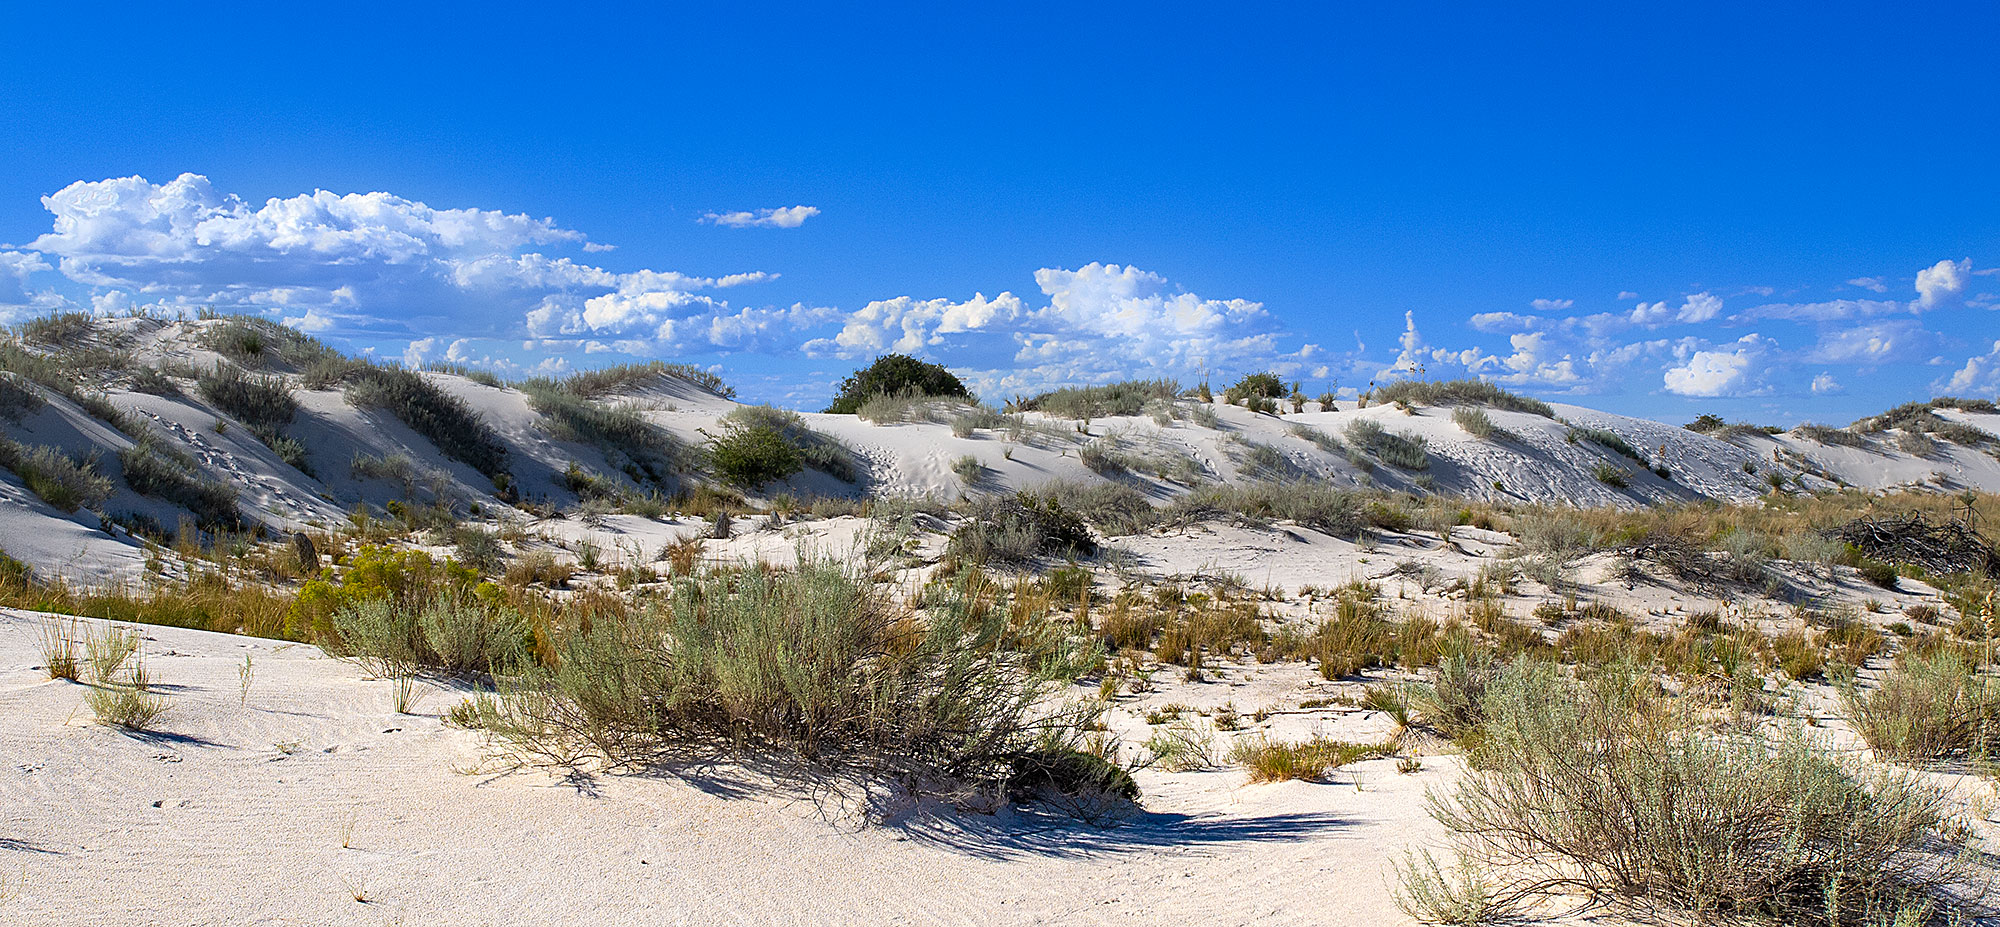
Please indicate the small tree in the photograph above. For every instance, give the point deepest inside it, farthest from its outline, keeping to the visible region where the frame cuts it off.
(895, 374)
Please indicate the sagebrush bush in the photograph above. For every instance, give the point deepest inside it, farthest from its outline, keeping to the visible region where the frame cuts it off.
(1602, 787)
(1930, 706)
(812, 661)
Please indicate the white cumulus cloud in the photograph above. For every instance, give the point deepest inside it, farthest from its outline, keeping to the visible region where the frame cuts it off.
(1721, 371)
(1942, 284)
(789, 217)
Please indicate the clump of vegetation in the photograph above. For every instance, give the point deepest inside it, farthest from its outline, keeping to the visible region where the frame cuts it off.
(1459, 392)
(257, 342)
(1317, 506)
(1612, 475)
(154, 468)
(1113, 508)
(66, 482)
(1922, 418)
(1604, 787)
(1020, 527)
(970, 471)
(812, 662)
(121, 689)
(263, 403)
(592, 384)
(444, 420)
(817, 450)
(1475, 421)
(1255, 386)
(1931, 706)
(1397, 449)
(1128, 397)
(1607, 439)
(896, 375)
(1830, 436)
(1319, 439)
(751, 455)
(1275, 761)
(61, 330)
(640, 450)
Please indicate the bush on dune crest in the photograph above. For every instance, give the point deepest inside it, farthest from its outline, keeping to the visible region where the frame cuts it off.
(1458, 392)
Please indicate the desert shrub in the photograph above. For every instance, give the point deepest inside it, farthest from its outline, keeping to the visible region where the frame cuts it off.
(1182, 745)
(751, 455)
(61, 330)
(127, 701)
(591, 384)
(1204, 415)
(1020, 527)
(646, 453)
(1129, 397)
(1459, 392)
(965, 423)
(1275, 761)
(255, 342)
(817, 450)
(1070, 778)
(1475, 421)
(477, 547)
(543, 567)
(65, 482)
(1396, 449)
(1601, 787)
(1453, 701)
(1320, 439)
(17, 398)
(1607, 439)
(152, 468)
(1830, 436)
(814, 662)
(1254, 386)
(59, 375)
(263, 403)
(155, 382)
(1921, 418)
(1916, 444)
(1102, 457)
(1612, 475)
(969, 469)
(895, 375)
(1930, 706)
(1265, 463)
(409, 579)
(1113, 508)
(444, 420)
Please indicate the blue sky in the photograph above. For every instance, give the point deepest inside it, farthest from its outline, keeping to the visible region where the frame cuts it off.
(1777, 214)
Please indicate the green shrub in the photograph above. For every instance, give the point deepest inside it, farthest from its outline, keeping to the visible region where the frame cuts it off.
(895, 375)
(1407, 451)
(1254, 386)
(751, 455)
(969, 469)
(1274, 761)
(61, 330)
(1607, 439)
(1320, 439)
(1315, 505)
(1113, 508)
(59, 479)
(1475, 421)
(1830, 436)
(591, 384)
(817, 450)
(1612, 475)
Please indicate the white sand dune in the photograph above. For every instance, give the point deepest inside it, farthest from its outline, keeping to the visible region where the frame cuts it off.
(280, 807)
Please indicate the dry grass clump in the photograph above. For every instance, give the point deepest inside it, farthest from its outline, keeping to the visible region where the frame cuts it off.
(443, 419)
(263, 403)
(1604, 788)
(154, 468)
(1930, 706)
(812, 662)
(591, 384)
(647, 454)
(1830, 437)
(1397, 449)
(1475, 422)
(120, 695)
(1018, 528)
(1273, 761)
(59, 641)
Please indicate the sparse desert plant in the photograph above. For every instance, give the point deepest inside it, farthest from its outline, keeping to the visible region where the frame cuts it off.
(638, 448)
(106, 651)
(1607, 439)
(1612, 475)
(1129, 397)
(59, 643)
(1462, 896)
(1603, 787)
(1320, 439)
(1930, 707)
(1459, 392)
(125, 701)
(1276, 761)
(1475, 421)
(969, 469)
(263, 403)
(154, 468)
(245, 674)
(1407, 451)
(616, 378)
(65, 482)
(814, 662)
(445, 420)
(1182, 745)
(1020, 527)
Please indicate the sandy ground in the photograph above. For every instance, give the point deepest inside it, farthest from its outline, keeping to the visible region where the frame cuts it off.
(281, 807)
